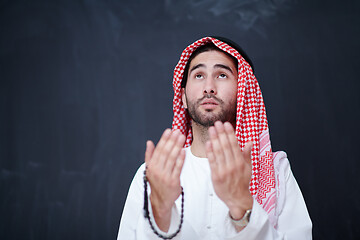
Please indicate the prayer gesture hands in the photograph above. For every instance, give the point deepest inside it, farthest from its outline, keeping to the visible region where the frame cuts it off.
(230, 168)
(164, 164)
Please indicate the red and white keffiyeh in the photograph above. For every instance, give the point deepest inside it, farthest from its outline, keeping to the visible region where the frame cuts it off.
(251, 124)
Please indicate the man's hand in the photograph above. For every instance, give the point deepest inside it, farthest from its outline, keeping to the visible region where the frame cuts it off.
(164, 164)
(230, 168)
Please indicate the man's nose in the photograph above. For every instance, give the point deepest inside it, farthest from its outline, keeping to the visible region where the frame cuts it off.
(209, 87)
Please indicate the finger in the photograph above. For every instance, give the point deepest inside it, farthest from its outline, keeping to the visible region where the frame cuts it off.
(149, 151)
(175, 150)
(232, 139)
(158, 150)
(165, 158)
(247, 151)
(225, 143)
(164, 137)
(229, 128)
(210, 156)
(216, 147)
(179, 164)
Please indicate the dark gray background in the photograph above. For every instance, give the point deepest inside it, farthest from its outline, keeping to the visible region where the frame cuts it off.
(83, 85)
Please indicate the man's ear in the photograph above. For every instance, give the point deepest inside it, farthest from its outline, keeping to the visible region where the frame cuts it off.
(183, 97)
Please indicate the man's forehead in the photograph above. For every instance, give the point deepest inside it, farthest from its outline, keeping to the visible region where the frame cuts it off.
(213, 59)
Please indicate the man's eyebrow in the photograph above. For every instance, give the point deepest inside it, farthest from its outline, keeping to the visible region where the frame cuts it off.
(215, 66)
(196, 66)
(223, 66)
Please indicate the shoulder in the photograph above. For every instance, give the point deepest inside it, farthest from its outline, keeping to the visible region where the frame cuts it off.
(281, 164)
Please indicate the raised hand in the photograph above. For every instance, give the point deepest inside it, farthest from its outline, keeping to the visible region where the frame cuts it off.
(230, 168)
(164, 164)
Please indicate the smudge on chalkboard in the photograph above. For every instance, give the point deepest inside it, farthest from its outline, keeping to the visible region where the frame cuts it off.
(243, 14)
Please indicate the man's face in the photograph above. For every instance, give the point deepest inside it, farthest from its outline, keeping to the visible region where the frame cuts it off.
(211, 88)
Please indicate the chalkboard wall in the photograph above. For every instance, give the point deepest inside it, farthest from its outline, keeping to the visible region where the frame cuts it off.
(84, 83)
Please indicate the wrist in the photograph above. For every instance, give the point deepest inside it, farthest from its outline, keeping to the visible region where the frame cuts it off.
(237, 210)
(242, 222)
(163, 223)
(160, 208)
(161, 214)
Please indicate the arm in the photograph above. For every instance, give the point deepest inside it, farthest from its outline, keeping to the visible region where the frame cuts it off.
(230, 169)
(231, 173)
(293, 223)
(164, 164)
(133, 225)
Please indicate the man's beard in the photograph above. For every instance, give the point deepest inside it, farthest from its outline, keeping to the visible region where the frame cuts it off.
(227, 112)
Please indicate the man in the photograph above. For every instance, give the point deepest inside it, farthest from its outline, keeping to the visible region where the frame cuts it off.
(214, 175)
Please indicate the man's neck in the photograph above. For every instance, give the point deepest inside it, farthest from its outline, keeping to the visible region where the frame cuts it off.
(200, 137)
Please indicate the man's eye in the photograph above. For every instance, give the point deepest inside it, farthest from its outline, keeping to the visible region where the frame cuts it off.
(222, 75)
(198, 76)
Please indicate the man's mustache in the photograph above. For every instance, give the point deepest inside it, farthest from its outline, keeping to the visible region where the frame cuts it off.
(210, 96)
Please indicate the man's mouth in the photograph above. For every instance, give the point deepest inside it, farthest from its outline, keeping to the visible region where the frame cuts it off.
(209, 102)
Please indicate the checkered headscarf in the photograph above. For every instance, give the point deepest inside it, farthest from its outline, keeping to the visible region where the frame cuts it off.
(251, 123)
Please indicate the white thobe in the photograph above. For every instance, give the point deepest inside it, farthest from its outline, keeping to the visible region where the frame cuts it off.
(207, 217)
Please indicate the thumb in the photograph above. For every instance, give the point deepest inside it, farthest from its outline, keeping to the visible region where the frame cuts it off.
(149, 151)
(247, 151)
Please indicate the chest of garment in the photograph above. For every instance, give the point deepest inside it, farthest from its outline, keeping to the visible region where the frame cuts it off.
(204, 212)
